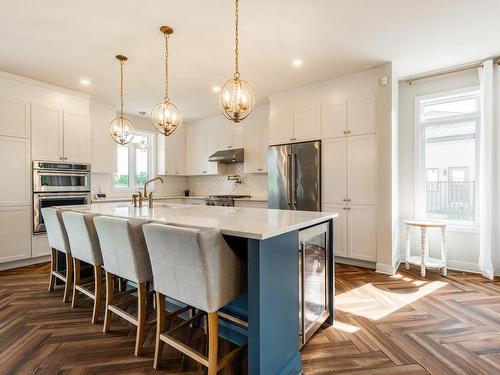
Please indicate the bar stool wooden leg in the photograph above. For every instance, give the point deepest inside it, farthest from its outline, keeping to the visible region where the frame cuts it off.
(69, 277)
(76, 277)
(52, 269)
(160, 327)
(213, 341)
(141, 318)
(97, 293)
(108, 315)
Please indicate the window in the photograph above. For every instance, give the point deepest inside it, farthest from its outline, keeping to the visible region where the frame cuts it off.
(134, 162)
(448, 147)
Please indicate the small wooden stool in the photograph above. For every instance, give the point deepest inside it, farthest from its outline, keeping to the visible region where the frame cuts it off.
(424, 260)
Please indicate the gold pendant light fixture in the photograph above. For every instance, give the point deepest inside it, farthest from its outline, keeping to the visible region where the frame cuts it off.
(121, 129)
(237, 97)
(165, 115)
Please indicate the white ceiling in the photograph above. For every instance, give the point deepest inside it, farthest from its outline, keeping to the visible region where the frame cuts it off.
(61, 42)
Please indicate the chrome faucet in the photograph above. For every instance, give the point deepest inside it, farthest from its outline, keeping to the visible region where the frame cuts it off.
(150, 195)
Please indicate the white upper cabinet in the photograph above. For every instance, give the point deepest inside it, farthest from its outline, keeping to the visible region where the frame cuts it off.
(361, 163)
(102, 145)
(333, 167)
(47, 133)
(15, 169)
(14, 118)
(297, 125)
(211, 144)
(256, 145)
(230, 137)
(76, 138)
(175, 160)
(281, 127)
(362, 115)
(306, 124)
(333, 120)
(199, 146)
(59, 135)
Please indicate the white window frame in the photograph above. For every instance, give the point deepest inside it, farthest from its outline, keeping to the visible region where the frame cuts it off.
(131, 162)
(420, 190)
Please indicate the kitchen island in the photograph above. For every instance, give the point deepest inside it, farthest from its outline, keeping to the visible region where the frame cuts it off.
(271, 242)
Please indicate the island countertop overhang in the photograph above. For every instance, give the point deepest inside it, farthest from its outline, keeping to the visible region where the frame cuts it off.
(254, 223)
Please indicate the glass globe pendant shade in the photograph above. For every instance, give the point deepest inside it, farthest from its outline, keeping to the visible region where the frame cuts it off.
(166, 117)
(237, 99)
(121, 130)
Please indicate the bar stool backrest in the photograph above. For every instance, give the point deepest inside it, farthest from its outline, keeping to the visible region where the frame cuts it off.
(56, 232)
(82, 237)
(123, 248)
(194, 266)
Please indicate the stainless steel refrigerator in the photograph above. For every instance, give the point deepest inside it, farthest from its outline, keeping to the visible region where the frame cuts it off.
(294, 176)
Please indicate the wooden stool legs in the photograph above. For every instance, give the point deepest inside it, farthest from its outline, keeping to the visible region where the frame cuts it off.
(213, 343)
(108, 315)
(160, 328)
(67, 279)
(97, 293)
(141, 318)
(211, 361)
(139, 322)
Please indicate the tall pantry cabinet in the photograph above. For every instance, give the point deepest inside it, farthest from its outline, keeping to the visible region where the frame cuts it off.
(343, 114)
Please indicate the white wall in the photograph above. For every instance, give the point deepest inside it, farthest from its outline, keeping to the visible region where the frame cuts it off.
(463, 247)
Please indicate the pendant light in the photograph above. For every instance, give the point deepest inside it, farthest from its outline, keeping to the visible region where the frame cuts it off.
(237, 97)
(121, 129)
(165, 115)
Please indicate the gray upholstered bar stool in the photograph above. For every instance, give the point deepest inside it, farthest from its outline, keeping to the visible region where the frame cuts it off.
(198, 268)
(58, 241)
(84, 243)
(125, 255)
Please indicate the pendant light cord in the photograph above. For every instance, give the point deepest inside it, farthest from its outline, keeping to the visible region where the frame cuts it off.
(121, 89)
(236, 40)
(166, 67)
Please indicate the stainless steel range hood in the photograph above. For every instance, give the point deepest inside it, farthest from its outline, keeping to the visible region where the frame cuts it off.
(228, 156)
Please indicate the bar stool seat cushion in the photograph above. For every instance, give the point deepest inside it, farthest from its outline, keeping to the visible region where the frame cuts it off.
(194, 266)
(56, 232)
(123, 248)
(82, 237)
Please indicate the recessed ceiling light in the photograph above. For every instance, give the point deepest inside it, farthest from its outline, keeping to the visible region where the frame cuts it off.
(297, 62)
(216, 89)
(85, 82)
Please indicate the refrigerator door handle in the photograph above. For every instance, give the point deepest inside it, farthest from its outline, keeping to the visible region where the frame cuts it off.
(289, 187)
(294, 180)
(292, 187)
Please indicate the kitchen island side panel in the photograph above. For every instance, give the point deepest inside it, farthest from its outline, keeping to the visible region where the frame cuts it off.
(273, 307)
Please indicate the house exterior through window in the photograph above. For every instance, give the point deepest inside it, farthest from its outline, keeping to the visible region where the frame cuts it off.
(448, 149)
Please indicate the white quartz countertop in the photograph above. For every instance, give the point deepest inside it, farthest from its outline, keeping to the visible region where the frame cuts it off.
(255, 223)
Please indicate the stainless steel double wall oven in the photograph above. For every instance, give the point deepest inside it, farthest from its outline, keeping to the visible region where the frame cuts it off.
(58, 184)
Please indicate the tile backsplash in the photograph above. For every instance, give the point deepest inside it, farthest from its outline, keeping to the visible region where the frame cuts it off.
(254, 185)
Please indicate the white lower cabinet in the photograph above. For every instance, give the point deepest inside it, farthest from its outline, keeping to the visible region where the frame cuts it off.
(355, 231)
(40, 246)
(15, 233)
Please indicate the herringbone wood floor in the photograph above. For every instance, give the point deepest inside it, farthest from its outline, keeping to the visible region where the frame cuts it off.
(384, 325)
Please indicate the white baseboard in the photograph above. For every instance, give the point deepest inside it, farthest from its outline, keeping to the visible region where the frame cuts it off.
(355, 262)
(23, 262)
(387, 269)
